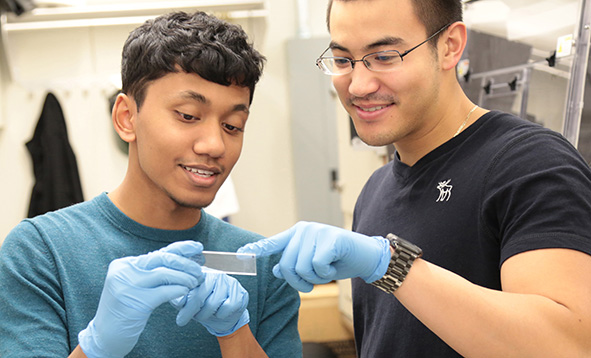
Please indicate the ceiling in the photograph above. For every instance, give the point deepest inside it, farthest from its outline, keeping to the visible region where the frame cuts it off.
(538, 23)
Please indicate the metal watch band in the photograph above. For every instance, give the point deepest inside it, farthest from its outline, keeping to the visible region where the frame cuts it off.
(402, 259)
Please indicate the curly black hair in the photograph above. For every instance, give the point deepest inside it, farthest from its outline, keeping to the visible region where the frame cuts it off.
(196, 43)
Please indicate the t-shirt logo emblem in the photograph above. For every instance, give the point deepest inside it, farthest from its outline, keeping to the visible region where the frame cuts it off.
(444, 190)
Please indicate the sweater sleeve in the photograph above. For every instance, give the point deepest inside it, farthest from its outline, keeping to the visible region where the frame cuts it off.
(277, 331)
(33, 320)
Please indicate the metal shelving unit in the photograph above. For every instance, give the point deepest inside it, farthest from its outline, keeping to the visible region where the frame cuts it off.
(576, 89)
(516, 80)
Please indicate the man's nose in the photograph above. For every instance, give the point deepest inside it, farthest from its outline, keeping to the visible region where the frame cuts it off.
(363, 81)
(210, 140)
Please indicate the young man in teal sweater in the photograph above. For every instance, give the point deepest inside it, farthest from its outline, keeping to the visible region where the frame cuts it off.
(95, 279)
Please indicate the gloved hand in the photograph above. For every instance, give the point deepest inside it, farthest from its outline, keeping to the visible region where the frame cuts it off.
(315, 253)
(219, 304)
(133, 288)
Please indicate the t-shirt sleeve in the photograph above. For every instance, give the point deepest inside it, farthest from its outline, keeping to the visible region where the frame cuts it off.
(31, 305)
(538, 195)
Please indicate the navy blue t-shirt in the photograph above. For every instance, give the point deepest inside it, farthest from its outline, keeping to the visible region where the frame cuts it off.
(501, 187)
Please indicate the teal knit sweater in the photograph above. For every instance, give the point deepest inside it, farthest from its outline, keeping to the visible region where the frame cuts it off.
(52, 270)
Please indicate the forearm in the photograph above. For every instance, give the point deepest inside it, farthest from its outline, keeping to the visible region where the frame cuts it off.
(77, 353)
(479, 322)
(241, 344)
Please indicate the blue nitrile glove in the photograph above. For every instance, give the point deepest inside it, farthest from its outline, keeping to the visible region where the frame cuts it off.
(219, 304)
(134, 287)
(315, 253)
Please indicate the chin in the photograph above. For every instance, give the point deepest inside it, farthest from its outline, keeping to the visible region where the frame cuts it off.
(376, 134)
(192, 204)
(377, 140)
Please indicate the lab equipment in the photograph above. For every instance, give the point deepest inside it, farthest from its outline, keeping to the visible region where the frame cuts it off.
(231, 263)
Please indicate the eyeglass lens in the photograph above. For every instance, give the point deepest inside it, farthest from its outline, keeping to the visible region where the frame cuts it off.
(378, 61)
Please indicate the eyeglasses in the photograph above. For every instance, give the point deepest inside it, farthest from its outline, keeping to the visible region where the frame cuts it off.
(381, 61)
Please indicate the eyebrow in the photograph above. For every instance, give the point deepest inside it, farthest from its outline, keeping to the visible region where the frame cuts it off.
(195, 96)
(385, 41)
(241, 108)
(192, 95)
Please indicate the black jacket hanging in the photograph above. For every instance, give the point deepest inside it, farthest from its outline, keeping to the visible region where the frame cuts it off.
(57, 183)
(17, 6)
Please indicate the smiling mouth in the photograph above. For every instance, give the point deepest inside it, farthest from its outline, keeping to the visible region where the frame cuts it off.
(372, 109)
(199, 172)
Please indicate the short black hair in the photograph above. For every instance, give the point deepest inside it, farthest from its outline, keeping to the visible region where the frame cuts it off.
(198, 43)
(434, 14)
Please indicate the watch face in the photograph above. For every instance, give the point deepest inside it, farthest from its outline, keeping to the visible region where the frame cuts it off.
(401, 244)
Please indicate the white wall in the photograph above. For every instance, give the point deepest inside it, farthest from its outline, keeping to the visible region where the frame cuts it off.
(78, 66)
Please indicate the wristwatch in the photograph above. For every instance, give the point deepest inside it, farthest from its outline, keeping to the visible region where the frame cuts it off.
(402, 259)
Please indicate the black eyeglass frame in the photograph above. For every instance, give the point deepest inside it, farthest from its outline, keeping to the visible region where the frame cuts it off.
(367, 65)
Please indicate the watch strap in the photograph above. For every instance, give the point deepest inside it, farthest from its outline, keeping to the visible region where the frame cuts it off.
(402, 259)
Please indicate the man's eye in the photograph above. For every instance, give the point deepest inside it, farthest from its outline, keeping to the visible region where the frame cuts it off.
(186, 117)
(232, 128)
(341, 62)
(385, 58)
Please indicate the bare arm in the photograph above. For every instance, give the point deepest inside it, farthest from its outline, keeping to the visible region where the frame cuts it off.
(544, 309)
(241, 344)
(77, 353)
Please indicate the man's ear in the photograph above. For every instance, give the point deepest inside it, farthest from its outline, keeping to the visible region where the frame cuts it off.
(453, 46)
(124, 115)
